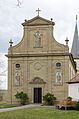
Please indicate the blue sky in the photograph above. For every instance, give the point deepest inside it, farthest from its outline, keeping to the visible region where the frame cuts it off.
(63, 13)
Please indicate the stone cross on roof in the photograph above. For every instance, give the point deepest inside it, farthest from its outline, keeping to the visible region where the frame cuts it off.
(38, 10)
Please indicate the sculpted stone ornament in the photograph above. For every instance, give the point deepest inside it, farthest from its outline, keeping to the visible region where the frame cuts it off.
(58, 78)
(38, 39)
(37, 80)
(17, 78)
(37, 66)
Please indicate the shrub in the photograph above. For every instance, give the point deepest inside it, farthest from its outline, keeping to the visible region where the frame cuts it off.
(22, 96)
(69, 98)
(49, 98)
(77, 105)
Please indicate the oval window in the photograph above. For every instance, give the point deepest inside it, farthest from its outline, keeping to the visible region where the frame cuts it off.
(58, 64)
(17, 65)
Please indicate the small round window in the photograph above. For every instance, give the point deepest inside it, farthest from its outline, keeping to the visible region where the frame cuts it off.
(58, 64)
(17, 65)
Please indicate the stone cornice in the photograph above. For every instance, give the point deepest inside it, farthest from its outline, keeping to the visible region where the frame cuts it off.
(37, 55)
(43, 55)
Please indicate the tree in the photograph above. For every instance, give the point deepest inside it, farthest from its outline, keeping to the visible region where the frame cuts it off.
(22, 96)
(49, 98)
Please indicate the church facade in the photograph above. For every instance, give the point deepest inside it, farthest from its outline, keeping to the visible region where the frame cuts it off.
(39, 64)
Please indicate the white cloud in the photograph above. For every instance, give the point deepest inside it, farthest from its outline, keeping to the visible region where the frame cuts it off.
(63, 13)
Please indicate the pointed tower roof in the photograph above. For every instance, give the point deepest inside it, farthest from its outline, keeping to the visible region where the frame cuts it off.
(75, 44)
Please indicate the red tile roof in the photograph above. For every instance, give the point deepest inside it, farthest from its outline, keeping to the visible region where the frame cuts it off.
(74, 79)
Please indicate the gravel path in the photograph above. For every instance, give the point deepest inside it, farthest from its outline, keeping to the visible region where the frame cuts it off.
(22, 107)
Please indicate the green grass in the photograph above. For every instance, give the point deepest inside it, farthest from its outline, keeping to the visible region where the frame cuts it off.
(8, 106)
(39, 113)
(3, 102)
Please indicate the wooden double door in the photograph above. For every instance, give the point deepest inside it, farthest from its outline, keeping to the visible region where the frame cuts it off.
(37, 95)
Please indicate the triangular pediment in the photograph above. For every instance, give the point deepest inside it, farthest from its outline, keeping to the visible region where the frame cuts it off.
(38, 21)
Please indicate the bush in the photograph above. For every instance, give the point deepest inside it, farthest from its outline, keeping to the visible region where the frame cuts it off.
(69, 98)
(22, 96)
(77, 105)
(49, 98)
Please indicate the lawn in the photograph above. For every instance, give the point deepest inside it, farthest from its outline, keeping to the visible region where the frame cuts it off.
(3, 102)
(8, 106)
(39, 113)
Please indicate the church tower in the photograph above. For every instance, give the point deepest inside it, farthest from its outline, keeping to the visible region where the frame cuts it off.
(75, 46)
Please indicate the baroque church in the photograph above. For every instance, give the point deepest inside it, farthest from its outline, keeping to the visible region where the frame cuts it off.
(39, 64)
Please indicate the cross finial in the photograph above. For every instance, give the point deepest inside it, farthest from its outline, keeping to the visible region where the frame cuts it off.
(67, 41)
(38, 10)
(11, 42)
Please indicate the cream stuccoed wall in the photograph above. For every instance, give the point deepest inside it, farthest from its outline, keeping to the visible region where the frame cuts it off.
(74, 91)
